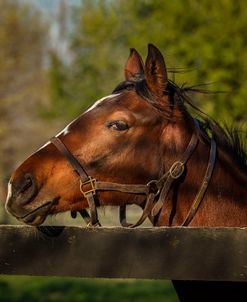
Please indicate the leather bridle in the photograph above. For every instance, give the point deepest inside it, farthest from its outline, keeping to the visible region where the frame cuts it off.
(156, 191)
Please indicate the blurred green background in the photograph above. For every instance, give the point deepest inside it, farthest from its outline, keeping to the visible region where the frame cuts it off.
(38, 289)
(59, 56)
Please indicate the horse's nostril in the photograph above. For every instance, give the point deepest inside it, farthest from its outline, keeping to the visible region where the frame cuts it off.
(21, 191)
(27, 183)
(24, 189)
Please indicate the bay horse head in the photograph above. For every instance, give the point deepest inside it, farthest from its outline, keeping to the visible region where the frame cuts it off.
(130, 147)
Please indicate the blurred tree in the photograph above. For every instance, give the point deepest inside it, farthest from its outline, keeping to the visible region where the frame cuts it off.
(23, 42)
(209, 38)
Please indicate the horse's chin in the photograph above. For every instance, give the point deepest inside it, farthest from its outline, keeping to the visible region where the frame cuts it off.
(37, 217)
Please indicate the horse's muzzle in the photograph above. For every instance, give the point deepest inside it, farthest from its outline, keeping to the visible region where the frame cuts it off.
(21, 191)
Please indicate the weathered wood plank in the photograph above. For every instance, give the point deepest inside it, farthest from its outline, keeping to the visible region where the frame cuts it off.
(151, 253)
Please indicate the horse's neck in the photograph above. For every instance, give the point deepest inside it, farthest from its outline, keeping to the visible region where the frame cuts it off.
(224, 203)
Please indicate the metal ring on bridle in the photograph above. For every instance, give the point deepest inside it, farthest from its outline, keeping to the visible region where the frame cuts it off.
(176, 169)
(152, 184)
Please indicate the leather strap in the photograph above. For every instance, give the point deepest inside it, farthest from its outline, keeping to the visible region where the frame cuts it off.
(85, 179)
(92, 219)
(125, 188)
(93, 211)
(163, 185)
(208, 174)
(146, 211)
(174, 173)
(77, 167)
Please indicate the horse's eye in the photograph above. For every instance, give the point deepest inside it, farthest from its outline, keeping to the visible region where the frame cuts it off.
(117, 125)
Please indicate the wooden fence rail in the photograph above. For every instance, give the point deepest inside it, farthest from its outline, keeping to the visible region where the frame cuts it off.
(150, 253)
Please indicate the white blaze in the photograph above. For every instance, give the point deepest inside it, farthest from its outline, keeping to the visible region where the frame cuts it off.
(111, 96)
(9, 194)
(66, 130)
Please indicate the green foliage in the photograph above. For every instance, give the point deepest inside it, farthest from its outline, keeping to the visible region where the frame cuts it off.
(23, 43)
(58, 77)
(208, 37)
(22, 48)
(38, 289)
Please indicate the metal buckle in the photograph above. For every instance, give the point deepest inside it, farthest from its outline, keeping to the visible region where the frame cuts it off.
(177, 169)
(91, 181)
(153, 187)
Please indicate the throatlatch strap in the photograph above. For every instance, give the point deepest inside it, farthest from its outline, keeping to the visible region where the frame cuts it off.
(175, 171)
(204, 185)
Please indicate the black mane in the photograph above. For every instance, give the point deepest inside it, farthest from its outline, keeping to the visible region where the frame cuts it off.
(230, 139)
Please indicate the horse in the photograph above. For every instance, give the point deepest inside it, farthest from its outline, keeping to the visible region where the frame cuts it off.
(138, 145)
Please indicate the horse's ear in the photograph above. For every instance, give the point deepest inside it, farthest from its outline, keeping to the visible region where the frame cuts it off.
(134, 67)
(155, 71)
